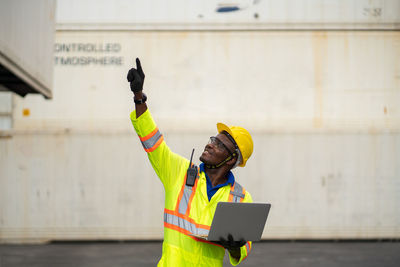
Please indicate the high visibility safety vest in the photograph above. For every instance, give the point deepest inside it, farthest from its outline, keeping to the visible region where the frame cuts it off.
(187, 208)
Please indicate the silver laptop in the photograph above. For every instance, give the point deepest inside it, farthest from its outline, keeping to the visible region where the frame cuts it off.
(242, 220)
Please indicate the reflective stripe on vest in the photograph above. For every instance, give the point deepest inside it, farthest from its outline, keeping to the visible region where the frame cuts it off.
(237, 193)
(185, 197)
(185, 224)
(179, 219)
(248, 248)
(183, 204)
(151, 141)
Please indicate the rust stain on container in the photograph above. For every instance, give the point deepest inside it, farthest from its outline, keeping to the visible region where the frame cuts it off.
(26, 112)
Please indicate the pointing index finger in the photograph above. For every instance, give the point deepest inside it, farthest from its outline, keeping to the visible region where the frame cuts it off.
(138, 65)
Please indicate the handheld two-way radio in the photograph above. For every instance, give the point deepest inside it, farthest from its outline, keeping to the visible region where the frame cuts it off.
(191, 173)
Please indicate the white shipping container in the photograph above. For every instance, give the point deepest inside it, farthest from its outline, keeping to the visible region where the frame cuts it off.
(26, 46)
(322, 107)
(228, 14)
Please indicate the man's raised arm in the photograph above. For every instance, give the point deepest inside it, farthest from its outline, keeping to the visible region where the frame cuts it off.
(164, 161)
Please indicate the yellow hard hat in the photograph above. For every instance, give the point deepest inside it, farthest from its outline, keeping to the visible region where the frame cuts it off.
(242, 138)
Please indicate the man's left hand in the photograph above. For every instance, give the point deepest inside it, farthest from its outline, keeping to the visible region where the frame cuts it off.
(232, 246)
(229, 243)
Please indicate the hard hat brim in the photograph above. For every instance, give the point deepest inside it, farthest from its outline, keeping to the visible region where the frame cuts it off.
(223, 127)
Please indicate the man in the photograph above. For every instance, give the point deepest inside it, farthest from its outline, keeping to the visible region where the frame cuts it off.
(190, 203)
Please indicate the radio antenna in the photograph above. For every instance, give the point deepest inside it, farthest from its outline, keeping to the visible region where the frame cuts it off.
(191, 157)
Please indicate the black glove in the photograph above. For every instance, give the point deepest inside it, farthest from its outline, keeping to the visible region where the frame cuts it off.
(230, 244)
(136, 77)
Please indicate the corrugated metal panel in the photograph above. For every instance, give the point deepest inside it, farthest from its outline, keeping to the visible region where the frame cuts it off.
(103, 187)
(26, 41)
(322, 107)
(287, 81)
(233, 14)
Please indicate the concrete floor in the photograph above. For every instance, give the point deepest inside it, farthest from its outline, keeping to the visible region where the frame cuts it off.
(276, 254)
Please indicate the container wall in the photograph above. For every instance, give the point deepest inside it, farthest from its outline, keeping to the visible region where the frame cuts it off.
(228, 14)
(322, 107)
(5, 110)
(26, 42)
